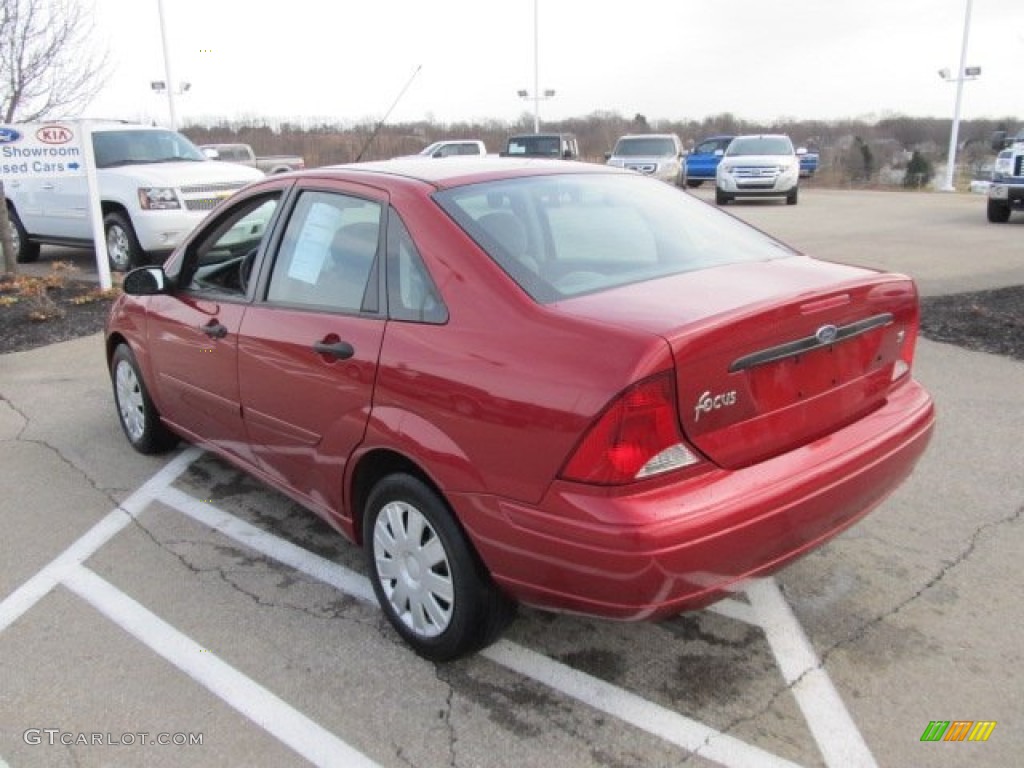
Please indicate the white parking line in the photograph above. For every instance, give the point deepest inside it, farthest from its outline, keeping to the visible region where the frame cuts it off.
(833, 729)
(831, 726)
(640, 713)
(273, 714)
(37, 587)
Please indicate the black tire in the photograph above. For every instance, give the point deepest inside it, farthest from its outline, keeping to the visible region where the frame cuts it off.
(792, 196)
(460, 610)
(722, 198)
(25, 250)
(694, 182)
(123, 249)
(998, 213)
(135, 410)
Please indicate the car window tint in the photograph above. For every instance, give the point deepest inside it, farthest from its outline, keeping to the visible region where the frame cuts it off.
(328, 253)
(412, 295)
(567, 235)
(223, 260)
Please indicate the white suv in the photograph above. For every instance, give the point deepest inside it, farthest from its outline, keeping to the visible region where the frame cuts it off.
(155, 186)
(758, 166)
(655, 154)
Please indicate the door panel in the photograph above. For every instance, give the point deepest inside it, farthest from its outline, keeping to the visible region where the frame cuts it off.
(308, 353)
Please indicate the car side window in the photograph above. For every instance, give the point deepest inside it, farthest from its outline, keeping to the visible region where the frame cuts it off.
(328, 255)
(222, 262)
(412, 295)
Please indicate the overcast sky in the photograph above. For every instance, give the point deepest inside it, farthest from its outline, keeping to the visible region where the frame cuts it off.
(348, 60)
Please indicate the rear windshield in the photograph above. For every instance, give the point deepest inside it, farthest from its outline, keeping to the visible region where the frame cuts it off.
(535, 146)
(760, 145)
(566, 235)
(649, 147)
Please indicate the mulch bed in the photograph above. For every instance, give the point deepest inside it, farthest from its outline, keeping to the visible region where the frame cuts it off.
(74, 309)
(985, 321)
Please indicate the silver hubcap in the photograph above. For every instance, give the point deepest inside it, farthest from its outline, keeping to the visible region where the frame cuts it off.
(413, 569)
(117, 246)
(129, 400)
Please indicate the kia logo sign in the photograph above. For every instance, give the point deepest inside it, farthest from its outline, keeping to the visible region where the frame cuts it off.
(54, 134)
(9, 135)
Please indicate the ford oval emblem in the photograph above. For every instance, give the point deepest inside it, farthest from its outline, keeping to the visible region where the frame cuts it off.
(9, 135)
(826, 334)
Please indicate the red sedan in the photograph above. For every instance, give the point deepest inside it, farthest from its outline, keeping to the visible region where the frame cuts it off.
(526, 381)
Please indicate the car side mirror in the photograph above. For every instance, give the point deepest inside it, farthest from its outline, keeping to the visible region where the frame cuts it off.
(567, 154)
(146, 281)
(999, 142)
(607, 155)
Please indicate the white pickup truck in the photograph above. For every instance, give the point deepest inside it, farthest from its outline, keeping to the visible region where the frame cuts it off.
(243, 154)
(155, 186)
(453, 148)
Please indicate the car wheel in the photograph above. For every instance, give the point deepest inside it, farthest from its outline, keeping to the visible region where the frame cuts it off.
(998, 213)
(135, 410)
(431, 585)
(792, 196)
(694, 182)
(722, 198)
(123, 249)
(25, 250)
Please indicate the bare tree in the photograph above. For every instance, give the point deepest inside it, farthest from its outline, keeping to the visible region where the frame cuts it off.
(48, 66)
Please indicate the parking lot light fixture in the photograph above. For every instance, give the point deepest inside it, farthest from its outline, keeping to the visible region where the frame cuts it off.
(963, 73)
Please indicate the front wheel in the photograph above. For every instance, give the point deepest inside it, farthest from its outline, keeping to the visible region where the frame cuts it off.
(792, 196)
(429, 582)
(722, 198)
(123, 249)
(998, 213)
(25, 250)
(135, 410)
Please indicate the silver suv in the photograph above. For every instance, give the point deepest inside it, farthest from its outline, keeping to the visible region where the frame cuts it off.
(765, 165)
(654, 154)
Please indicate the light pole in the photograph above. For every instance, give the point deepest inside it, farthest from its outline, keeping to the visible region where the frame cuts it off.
(963, 73)
(537, 97)
(167, 67)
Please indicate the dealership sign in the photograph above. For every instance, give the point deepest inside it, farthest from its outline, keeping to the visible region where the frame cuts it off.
(48, 149)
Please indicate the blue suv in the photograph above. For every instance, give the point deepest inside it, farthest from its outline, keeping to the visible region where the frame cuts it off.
(703, 160)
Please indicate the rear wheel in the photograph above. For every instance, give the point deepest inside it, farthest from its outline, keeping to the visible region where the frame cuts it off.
(135, 410)
(429, 582)
(123, 249)
(998, 213)
(24, 249)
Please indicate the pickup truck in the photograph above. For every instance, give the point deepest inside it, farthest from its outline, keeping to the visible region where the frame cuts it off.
(1006, 192)
(561, 145)
(453, 148)
(243, 155)
(155, 186)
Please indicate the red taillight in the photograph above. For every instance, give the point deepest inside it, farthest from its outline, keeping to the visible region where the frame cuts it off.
(636, 437)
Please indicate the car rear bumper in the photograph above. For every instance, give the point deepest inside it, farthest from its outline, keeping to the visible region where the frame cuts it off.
(680, 546)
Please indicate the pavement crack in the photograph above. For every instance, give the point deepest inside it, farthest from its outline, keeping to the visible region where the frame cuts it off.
(21, 438)
(860, 632)
(445, 714)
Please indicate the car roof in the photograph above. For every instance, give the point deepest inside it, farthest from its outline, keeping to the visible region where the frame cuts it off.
(648, 136)
(460, 170)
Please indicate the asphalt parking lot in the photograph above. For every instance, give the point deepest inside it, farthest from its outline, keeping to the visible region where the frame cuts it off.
(152, 600)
